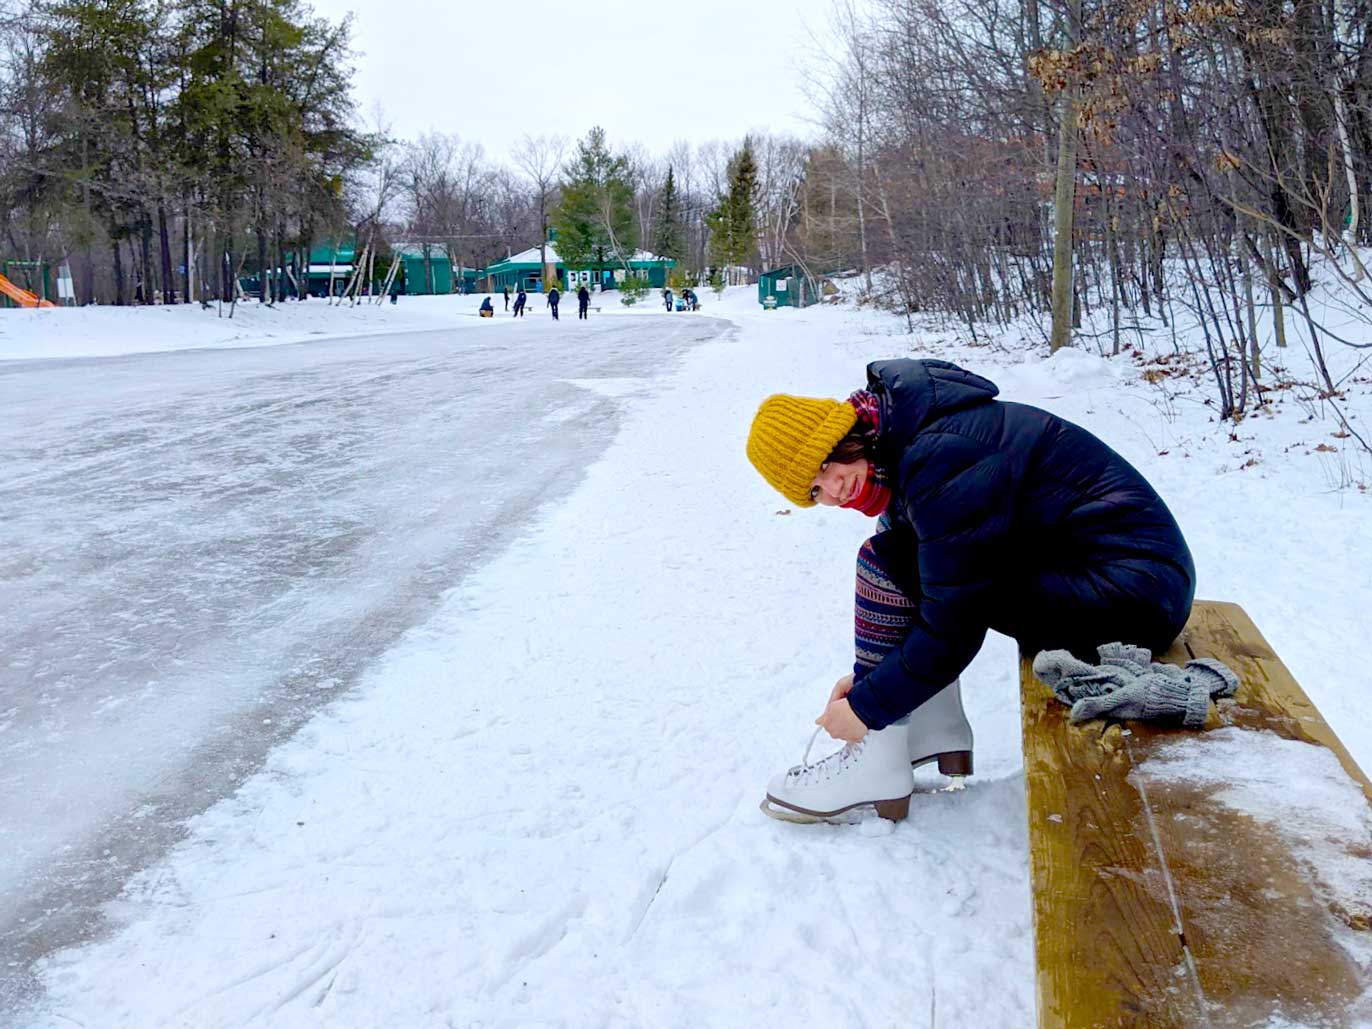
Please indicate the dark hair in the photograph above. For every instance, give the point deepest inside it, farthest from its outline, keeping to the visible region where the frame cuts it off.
(848, 449)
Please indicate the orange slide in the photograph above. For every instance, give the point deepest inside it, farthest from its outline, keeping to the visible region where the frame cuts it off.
(22, 297)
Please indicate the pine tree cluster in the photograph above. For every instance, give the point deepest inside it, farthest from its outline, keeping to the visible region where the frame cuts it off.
(595, 219)
(733, 223)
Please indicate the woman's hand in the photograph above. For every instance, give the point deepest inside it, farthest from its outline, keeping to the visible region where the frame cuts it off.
(839, 721)
(841, 688)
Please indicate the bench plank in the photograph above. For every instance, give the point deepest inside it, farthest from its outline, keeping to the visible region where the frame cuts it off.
(1275, 701)
(1158, 906)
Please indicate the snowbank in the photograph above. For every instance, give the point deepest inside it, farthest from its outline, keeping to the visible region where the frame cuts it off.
(111, 331)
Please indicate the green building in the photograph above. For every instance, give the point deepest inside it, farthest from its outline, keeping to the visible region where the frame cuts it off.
(440, 271)
(330, 262)
(788, 286)
(334, 262)
(525, 269)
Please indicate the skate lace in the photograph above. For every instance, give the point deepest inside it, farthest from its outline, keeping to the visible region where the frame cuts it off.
(825, 767)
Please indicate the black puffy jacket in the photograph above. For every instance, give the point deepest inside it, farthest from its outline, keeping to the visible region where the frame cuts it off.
(1006, 517)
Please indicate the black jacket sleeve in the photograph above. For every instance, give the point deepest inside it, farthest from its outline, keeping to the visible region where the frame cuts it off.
(958, 499)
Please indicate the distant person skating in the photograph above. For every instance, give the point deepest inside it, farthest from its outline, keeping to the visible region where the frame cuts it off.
(583, 301)
(667, 298)
(554, 298)
(507, 298)
(521, 298)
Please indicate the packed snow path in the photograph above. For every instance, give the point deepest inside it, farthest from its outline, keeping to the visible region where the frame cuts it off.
(197, 549)
(539, 805)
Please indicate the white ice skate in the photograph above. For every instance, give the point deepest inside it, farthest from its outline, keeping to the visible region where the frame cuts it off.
(938, 730)
(874, 771)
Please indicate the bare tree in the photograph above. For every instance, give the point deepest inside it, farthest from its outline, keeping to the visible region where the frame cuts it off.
(540, 159)
(647, 175)
(513, 217)
(1065, 195)
(447, 186)
(781, 172)
(847, 99)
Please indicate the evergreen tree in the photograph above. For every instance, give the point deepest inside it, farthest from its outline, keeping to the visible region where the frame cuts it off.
(102, 56)
(669, 227)
(595, 218)
(236, 116)
(265, 141)
(733, 223)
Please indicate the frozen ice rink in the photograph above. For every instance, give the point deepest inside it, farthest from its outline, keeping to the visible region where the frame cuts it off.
(199, 548)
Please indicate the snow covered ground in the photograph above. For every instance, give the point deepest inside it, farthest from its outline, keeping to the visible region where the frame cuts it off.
(540, 806)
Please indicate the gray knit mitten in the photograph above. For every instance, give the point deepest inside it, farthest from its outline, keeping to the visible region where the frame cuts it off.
(1217, 677)
(1128, 684)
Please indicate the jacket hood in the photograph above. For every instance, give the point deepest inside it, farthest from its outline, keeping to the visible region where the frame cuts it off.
(914, 393)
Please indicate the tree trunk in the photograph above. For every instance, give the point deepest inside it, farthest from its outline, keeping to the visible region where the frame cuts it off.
(118, 274)
(228, 286)
(145, 255)
(88, 276)
(262, 265)
(1064, 197)
(164, 247)
(187, 253)
(1113, 256)
(1251, 316)
(206, 266)
(1278, 313)
(1031, 9)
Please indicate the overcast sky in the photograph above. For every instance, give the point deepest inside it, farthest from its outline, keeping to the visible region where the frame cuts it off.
(492, 71)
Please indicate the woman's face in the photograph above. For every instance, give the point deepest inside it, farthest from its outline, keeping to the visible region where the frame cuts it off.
(837, 483)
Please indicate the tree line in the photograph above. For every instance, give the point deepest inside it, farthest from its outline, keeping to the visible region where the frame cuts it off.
(168, 150)
(1100, 163)
(162, 146)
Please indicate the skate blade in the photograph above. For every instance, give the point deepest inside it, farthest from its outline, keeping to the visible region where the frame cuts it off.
(784, 814)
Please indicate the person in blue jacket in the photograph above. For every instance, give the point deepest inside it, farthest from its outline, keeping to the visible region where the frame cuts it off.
(992, 515)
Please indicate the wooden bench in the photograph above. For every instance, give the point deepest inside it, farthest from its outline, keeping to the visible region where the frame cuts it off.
(1154, 903)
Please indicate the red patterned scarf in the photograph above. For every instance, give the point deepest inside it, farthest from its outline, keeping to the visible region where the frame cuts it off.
(875, 494)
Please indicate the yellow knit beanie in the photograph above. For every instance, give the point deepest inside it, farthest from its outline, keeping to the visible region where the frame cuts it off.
(792, 436)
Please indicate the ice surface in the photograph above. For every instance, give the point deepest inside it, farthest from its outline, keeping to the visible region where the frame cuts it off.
(198, 549)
